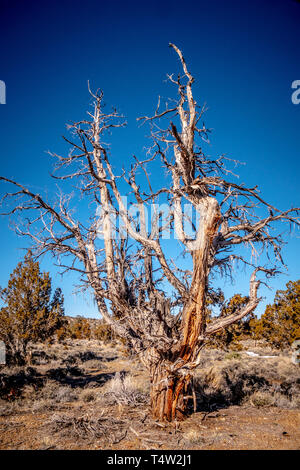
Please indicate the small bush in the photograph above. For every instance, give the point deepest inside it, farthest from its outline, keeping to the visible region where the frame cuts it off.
(87, 426)
(62, 373)
(65, 394)
(88, 395)
(80, 329)
(103, 332)
(193, 437)
(123, 390)
(13, 380)
(29, 314)
(232, 355)
(279, 326)
(261, 399)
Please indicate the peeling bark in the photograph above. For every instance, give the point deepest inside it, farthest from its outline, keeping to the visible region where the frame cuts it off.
(169, 394)
(193, 319)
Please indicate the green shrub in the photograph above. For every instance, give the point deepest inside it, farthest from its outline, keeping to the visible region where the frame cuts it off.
(29, 314)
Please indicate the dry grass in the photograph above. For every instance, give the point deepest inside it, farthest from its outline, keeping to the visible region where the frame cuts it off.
(193, 437)
(262, 399)
(87, 426)
(125, 390)
(237, 377)
(76, 392)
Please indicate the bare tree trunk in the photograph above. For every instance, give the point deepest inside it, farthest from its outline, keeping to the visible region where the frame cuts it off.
(170, 391)
(169, 394)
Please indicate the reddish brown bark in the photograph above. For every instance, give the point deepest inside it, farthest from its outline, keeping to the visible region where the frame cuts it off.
(169, 394)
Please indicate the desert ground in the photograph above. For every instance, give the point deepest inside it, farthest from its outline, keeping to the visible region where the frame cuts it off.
(87, 394)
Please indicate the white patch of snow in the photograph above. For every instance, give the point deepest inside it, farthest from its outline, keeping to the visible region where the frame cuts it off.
(253, 354)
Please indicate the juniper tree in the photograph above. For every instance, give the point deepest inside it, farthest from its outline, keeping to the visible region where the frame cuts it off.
(29, 314)
(230, 336)
(146, 296)
(80, 328)
(280, 323)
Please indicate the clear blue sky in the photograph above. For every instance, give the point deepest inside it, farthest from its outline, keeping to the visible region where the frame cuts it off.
(244, 55)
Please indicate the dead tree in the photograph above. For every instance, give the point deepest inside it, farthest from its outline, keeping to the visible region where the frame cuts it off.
(159, 307)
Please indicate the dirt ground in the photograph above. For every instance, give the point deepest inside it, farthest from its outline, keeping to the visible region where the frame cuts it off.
(234, 428)
(94, 407)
